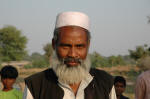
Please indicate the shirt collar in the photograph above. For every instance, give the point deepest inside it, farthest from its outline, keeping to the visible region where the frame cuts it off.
(84, 83)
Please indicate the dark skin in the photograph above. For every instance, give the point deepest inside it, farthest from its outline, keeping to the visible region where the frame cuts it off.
(72, 43)
(120, 88)
(8, 83)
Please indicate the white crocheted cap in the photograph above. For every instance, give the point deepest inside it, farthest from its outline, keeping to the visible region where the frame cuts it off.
(74, 19)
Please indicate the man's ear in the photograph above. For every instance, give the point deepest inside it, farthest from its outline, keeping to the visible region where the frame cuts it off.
(53, 44)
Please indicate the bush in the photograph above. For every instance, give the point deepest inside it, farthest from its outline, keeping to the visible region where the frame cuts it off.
(40, 63)
(28, 66)
(133, 74)
(116, 60)
(98, 61)
(0, 64)
(130, 89)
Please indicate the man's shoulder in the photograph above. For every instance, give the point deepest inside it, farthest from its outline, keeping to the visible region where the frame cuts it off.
(98, 72)
(101, 75)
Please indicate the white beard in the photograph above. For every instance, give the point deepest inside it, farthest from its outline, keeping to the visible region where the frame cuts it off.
(70, 75)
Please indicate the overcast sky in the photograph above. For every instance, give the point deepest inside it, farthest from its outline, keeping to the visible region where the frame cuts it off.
(116, 25)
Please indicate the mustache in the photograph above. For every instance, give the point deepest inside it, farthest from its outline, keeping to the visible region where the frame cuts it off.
(70, 59)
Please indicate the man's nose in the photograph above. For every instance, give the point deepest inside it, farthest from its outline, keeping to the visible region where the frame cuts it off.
(72, 52)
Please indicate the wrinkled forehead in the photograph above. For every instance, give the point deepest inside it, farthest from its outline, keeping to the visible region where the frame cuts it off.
(72, 31)
(71, 28)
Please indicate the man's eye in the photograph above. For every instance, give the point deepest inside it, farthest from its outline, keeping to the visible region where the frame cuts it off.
(65, 47)
(80, 46)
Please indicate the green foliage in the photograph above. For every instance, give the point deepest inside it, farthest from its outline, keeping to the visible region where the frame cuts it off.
(133, 74)
(100, 61)
(12, 44)
(140, 52)
(36, 56)
(116, 60)
(0, 65)
(28, 66)
(48, 50)
(38, 61)
(130, 89)
(27, 57)
(128, 60)
(37, 64)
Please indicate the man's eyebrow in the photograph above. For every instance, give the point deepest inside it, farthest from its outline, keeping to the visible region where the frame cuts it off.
(62, 44)
(80, 45)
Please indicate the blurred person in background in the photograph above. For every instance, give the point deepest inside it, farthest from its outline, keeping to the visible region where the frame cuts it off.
(8, 78)
(120, 85)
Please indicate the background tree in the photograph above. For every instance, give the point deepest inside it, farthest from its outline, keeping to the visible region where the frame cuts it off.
(37, 60)
(120, 60)
(48, 50)
(116, 60)
(36, 56)
(112, 60)
(98, 61)
(101, 61)
(12, 44)
(128, 60)
(140, 52)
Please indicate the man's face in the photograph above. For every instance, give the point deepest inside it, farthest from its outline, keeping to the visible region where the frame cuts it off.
(120, 88)
(72, 45)
(8, 82)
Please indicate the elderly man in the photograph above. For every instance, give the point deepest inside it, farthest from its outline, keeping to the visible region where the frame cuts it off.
(70, 75)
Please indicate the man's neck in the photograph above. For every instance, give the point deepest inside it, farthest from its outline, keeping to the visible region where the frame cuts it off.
(75, 87)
